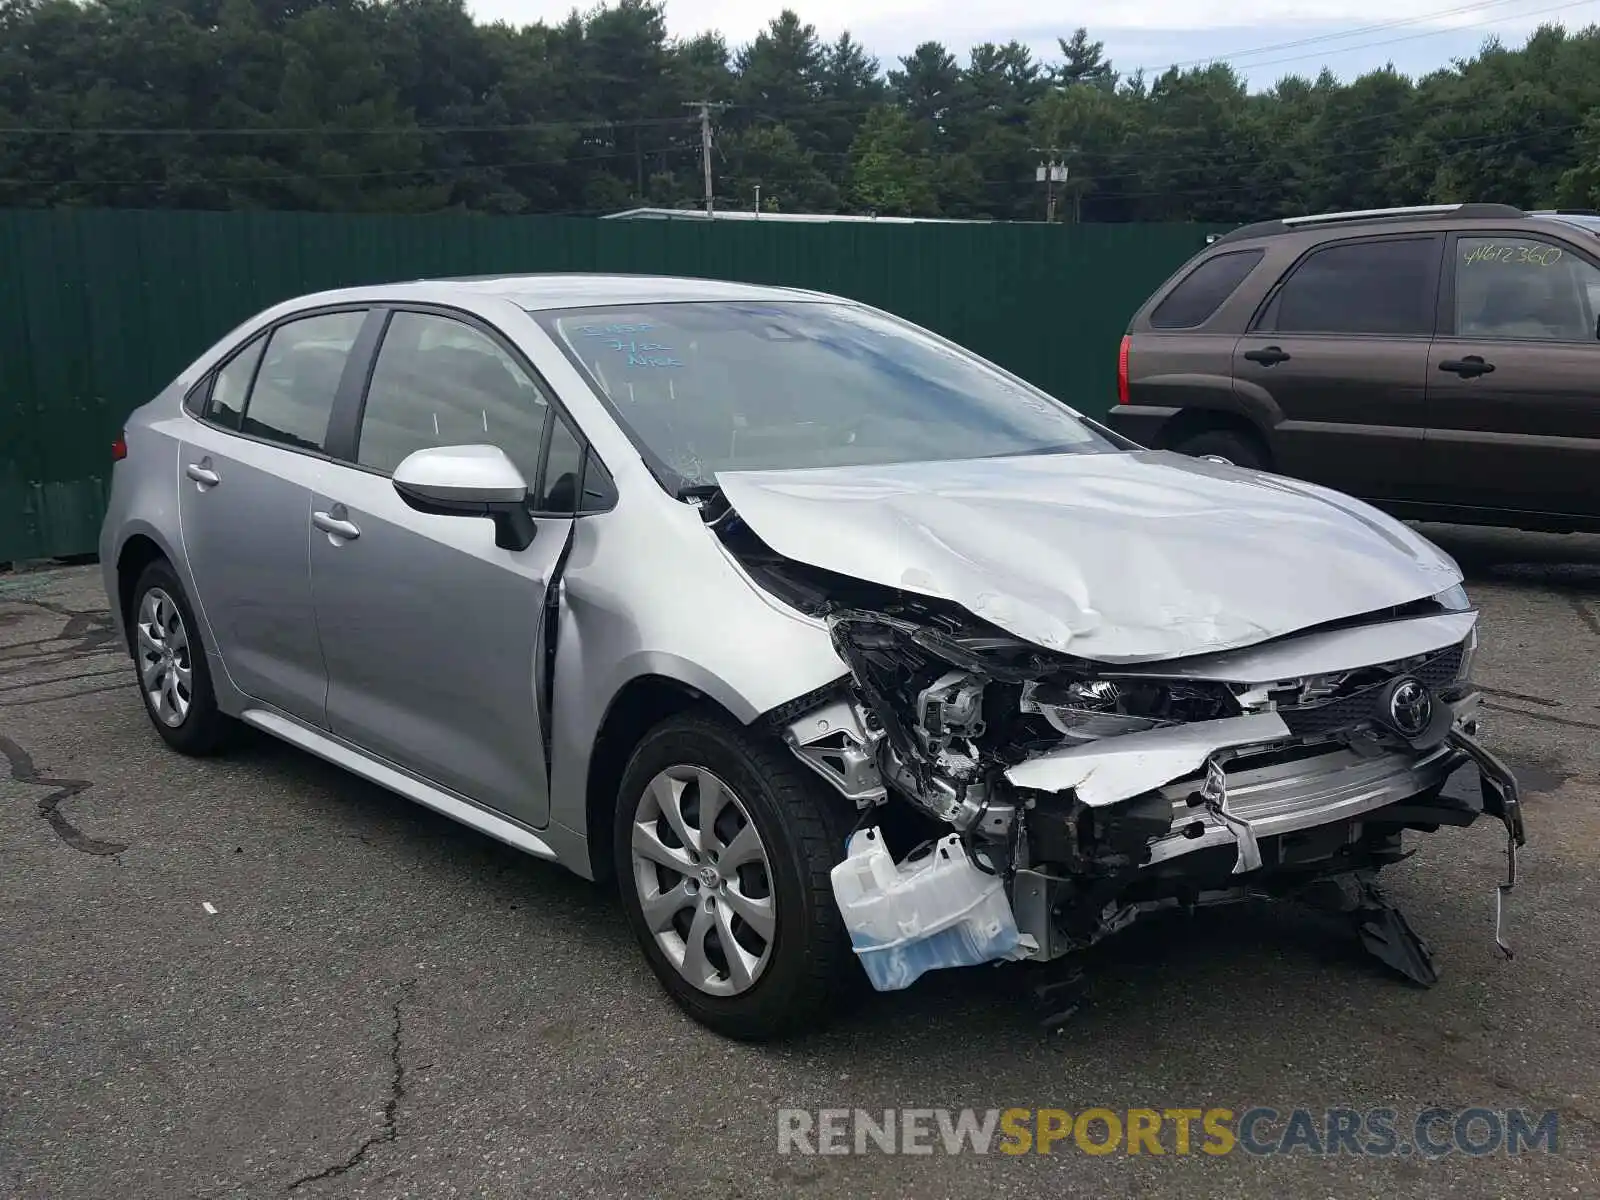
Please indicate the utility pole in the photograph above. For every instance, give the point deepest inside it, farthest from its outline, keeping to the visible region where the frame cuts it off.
(706, 107)
(1050, 172)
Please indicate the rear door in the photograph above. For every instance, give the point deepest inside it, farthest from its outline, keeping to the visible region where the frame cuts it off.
(1514, 378)
(434, 636)
(1341, 349)
(247, 470)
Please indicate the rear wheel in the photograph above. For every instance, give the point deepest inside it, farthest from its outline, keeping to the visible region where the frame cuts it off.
(1231, 447)
(174, 677)
(723, 849)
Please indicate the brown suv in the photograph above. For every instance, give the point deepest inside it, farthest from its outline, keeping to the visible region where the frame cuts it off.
(1441, 362)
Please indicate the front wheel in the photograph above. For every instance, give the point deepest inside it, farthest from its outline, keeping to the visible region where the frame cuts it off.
(723, 848)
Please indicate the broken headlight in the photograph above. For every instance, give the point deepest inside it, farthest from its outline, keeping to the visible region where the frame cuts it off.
(1084, 710)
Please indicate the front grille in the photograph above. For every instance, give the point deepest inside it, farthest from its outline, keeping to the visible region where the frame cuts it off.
(1442, 668)
(1332, 716)
(1360, 707)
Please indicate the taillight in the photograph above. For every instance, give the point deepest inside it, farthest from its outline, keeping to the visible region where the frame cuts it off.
(119, 448)
(1122, 370)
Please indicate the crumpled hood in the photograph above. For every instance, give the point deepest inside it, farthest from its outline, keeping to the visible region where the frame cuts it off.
(1118, 557)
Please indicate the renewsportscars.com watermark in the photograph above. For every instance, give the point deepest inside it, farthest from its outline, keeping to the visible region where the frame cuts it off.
(1374, 1132)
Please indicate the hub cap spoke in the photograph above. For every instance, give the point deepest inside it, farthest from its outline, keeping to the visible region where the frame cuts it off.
(704, 880)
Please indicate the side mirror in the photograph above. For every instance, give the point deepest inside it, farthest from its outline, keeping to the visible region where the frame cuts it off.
(469, 481)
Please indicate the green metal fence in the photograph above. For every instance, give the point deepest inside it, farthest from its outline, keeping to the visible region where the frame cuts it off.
(99, 309)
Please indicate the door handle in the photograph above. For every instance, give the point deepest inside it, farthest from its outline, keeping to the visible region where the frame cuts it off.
(1469, 367)
(336, 526)
(1268, 357)
(202, 474)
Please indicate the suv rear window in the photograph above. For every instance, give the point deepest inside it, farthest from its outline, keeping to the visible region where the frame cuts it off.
(1202, 291)
(1384, 287)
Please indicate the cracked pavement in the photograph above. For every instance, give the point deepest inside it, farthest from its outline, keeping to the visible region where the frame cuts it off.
(386, 1004)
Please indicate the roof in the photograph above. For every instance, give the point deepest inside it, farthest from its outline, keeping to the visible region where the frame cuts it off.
(573, 290)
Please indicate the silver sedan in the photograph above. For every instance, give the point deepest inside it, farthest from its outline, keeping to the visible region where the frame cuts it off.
(846, 653)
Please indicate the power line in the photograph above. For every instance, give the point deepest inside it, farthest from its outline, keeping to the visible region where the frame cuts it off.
(300, 176)
(1411, 37)
(332, 130)
(1230, 55)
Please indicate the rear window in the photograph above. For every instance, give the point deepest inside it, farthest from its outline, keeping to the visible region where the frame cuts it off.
(1202, 291)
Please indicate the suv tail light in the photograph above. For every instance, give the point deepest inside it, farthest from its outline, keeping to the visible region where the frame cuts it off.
(1122, 369)
(119, 448)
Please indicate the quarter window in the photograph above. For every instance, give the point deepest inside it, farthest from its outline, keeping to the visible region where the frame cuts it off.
(1201, 292)
(1383, 287)
(232, 385)
(293, 394)
(1524, 288)
(440, 382)
(563, 472)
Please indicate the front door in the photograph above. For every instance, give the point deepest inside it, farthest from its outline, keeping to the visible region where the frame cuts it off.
(1514, 378)
(433, 635)
(1342, 350)
(247, 472)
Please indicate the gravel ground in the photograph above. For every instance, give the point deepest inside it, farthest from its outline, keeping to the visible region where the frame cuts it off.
(386, 1004)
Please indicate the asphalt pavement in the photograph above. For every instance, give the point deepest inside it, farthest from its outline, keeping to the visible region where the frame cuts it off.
(257, 976)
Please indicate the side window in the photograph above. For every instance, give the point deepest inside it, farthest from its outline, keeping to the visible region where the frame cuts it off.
(194, 400)
(440, 382)
(1201, 292)
(1384, 287)
(1526, 288)
(563, 472)
(599, 491)
(231, 385)
(294, 389)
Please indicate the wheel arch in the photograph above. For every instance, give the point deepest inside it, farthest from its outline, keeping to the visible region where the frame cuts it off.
(1194, 421)
(638, 706)
(138, 550)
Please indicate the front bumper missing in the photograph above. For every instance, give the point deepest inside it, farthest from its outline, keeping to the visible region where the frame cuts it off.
(1285, 803)
(1248, 804)
(1248, 797)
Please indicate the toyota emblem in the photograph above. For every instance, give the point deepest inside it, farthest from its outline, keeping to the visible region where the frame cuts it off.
(1410, 707)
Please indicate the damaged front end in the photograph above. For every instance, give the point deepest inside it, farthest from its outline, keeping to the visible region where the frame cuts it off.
(1042, 802)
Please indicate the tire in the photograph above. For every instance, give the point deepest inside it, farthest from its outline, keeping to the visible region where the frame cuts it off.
(165, 639)
(1237, 448)
(799, 978)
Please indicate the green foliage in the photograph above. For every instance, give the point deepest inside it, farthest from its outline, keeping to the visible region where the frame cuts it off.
(890, 174)
(412, 106)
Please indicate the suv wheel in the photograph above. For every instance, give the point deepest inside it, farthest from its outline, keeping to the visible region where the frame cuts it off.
(723, 848)
(1234, 448)
(174, 677)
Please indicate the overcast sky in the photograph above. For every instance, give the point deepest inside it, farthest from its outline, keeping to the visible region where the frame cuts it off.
(1416, 35)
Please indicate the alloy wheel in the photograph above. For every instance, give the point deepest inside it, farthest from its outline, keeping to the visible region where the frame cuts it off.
(704, 881)
(166, 670)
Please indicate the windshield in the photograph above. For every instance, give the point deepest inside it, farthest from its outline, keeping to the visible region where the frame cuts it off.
(716, 386)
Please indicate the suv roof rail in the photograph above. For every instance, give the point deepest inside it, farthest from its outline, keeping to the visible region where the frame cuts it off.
(1414, 210)
(1462, 211)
